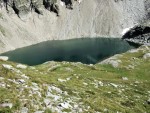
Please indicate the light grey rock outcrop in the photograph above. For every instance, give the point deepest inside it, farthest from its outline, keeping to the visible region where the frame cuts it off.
(25, 22)
(146, 56)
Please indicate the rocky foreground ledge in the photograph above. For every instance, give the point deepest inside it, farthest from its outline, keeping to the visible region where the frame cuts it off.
(120, 84)
(139, 35)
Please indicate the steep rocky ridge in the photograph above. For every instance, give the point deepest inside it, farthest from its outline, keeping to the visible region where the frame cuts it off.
(138, 35)
(25, 22)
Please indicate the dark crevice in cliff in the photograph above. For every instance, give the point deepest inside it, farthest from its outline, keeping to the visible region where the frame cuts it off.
(34, 7)
(68, 3)
(16, 10)
(51, 6)
(6, 4)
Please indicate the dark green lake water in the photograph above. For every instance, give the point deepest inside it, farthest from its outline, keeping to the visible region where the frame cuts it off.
(85, 50)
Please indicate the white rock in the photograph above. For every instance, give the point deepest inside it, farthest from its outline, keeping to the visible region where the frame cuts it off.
(148, 101)
(24, 76)
(1, 78)
(137, 82)
(2, 85)
(130, 67)
(22, 81)
(34, 84)
(10, 105)
(47, 101)
(114, 63)
(114, 85)
(100, 83)
(24, 110)
(85, 84)
(146, 56)
(58, 90)
(61, 80)
(56, 97)
(80, 110)
(65, 105)
(4, 58)
(105, 110)
(124, 78)
(68, 78)
(133, 51)
(7, 66)
(75, 106)
(21, 66)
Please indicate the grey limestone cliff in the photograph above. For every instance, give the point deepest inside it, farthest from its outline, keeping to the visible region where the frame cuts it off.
(26, 22)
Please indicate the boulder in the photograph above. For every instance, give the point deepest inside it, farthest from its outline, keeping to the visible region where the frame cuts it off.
(21, 66)
(4, 58)
(10, 105)
(146, 56)
(113, 62)
(7, 66)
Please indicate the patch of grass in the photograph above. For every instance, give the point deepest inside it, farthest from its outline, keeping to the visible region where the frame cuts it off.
(91, 84)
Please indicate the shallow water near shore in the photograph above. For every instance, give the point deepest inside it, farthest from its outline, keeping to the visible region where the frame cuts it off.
(85, 50)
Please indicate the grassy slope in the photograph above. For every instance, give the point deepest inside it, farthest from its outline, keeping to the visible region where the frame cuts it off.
(91, 84)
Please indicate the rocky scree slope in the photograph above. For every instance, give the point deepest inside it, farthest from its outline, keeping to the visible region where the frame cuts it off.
(26, 22)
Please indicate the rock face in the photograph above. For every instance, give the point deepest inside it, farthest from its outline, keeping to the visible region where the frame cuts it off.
(26, 22)
(139, 35)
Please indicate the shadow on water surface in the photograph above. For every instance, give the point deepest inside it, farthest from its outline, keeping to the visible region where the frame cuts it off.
(85, 50)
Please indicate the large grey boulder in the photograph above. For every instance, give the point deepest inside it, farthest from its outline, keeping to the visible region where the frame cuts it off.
(146, 56)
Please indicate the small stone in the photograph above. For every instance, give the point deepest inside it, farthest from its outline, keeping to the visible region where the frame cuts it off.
(24, 110)
(100, 83)
(10, 105)
(75, 106)
(146, 56)
(47, 101)
(61, 80)
(1, 78)
(7, 66)
(133, 51)
(2, 85)
(112, 61)
(148, 101)
(65, 105)
(22, 81)
(124, 78)
(114, 85)
(68, 78)
(21, 66)
(85, 84)
(24, 76)
(105, 110)
(137, 82)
